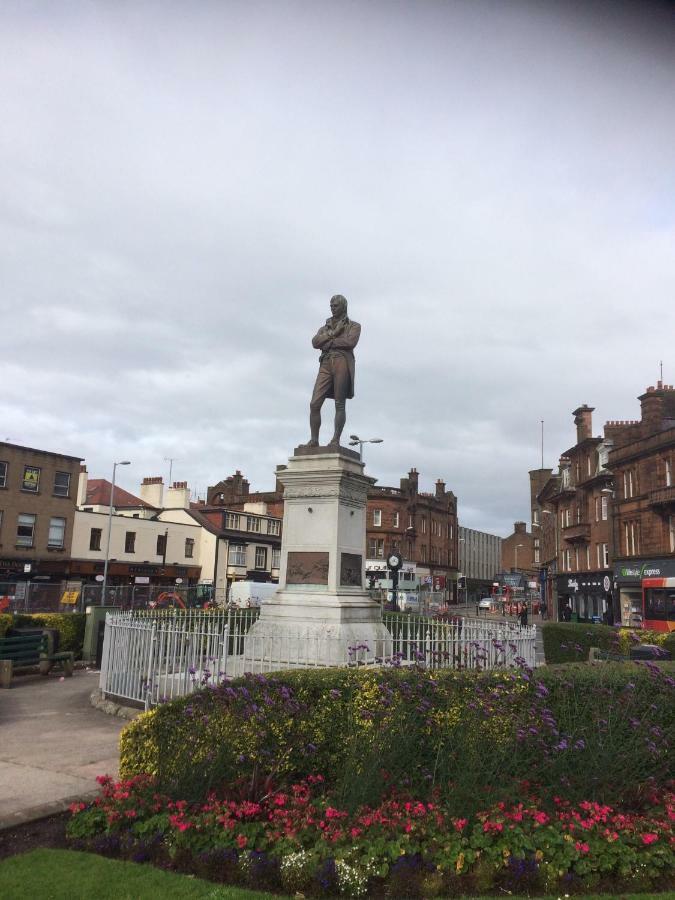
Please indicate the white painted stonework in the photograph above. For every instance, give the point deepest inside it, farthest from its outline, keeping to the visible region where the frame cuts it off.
(324, 512)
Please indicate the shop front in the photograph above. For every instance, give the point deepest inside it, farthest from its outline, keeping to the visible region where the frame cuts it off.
(628, 575)
(585, 597)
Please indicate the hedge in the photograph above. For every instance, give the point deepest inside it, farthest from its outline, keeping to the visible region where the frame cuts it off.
(571, 641)
(70, 627)
(592, 732)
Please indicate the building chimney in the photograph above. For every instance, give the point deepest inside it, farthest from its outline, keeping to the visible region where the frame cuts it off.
(152, 491)
(651, 403)
(440, 489)
(82, 486)
(583, 419)
(178, 496)
(520, 527)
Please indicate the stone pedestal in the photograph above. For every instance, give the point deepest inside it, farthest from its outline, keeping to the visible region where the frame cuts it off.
(321, 608)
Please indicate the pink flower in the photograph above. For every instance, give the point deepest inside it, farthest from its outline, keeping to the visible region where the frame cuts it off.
(242, 841)
(540, 818)
(460, 824)
(582, 848)
(649, 838)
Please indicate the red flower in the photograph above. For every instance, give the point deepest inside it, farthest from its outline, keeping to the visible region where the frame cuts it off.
(649, 838)
(582, 848)
(242, 841)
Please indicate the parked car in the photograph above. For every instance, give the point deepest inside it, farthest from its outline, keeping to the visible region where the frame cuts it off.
(485, 603)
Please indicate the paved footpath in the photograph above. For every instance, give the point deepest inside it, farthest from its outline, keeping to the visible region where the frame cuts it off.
(53, 744)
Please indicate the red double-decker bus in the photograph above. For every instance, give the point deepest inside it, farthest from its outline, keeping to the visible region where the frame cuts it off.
(658, 604)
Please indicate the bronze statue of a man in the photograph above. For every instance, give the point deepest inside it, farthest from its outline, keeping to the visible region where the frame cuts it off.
(336, 340)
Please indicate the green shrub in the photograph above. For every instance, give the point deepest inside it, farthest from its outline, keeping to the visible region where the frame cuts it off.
(570, 641)
(5, 623)
(669, 643)
(70, 627)
(592, 732)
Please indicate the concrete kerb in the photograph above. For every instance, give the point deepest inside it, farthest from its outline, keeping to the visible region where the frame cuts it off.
(99, 701)
(44, 810)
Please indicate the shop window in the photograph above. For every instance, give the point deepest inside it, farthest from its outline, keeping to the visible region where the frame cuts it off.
(62, 484)
(31, 479)
(95, 539)
(237, 555)
(57, 533)
(25, 530)
(376, 548)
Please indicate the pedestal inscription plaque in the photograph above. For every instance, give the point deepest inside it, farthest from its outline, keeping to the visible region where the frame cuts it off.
(350, 569)
(307, 567)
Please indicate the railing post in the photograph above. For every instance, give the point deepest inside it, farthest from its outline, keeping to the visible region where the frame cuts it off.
(151, 659)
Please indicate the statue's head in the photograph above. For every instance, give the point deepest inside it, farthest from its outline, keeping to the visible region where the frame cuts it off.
(338, 306)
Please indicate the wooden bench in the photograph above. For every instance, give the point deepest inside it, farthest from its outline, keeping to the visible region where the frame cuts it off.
(28, 649)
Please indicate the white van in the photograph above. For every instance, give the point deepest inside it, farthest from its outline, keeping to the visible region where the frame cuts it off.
(244, 594)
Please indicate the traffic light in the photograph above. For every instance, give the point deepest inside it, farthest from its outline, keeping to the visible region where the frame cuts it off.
(461, 582)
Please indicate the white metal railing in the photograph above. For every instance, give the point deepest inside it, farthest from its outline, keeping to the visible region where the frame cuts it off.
(151, 657)
(148, 660)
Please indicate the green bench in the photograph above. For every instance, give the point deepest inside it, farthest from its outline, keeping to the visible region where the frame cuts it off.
(28, 649)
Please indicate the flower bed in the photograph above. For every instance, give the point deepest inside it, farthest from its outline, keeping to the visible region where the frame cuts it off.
(299, 839)
(587, 733)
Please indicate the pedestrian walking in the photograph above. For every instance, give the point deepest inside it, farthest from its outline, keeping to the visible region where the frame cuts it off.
(523, 616)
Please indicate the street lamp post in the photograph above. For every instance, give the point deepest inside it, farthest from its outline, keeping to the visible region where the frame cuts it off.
(354, 439)
(124, 462)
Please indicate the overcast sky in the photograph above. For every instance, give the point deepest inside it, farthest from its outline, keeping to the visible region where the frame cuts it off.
(183, 186)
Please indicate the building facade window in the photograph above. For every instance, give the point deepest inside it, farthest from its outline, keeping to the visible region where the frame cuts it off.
(377, 518)
(261, 557)
(130, 542)
(604, 507)
(3, 474)
(605, 556)
(253, 524)
(25, 530)
(232, 521)
(57, 533)
(95, 539)
(237, 555)
(273, 526)
(423, 551)
(588, 556)
(161, 545)
(276, 557)
(189, 548)
(395, 520)
(61, 484)
(669, 472)
(376, 548)
(671, 533)
(31, 479)
(411, 520)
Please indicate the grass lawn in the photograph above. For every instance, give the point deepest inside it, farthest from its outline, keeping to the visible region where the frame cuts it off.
(68, 875)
